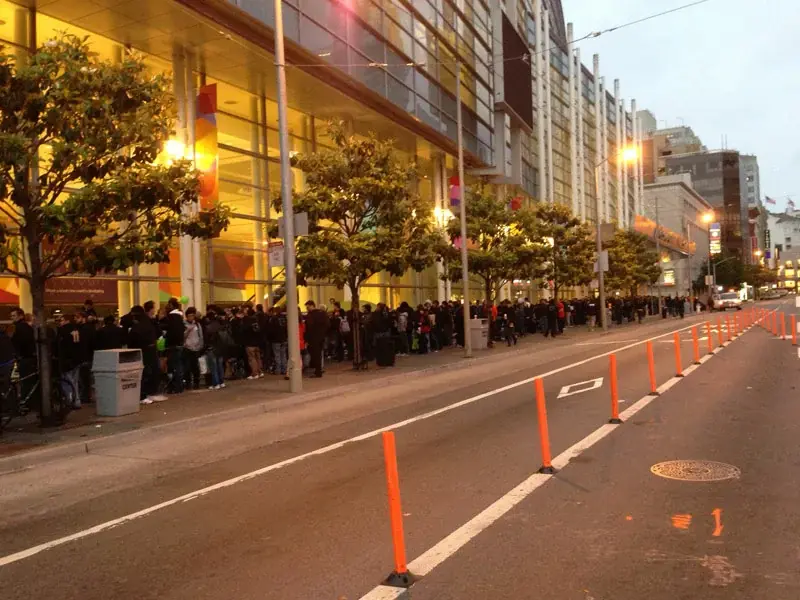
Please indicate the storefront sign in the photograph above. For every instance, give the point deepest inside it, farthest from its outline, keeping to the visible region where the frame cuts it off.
(70, 292)
(669, 277)
(667, 238)
(715, 238)
(276, 254)
(206, 151)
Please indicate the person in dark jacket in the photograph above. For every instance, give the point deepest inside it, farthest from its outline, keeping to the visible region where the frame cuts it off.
(143, 335)
(216, 335)
(24, 344)
(110, 336)
(252, 337)
(316, 330)
(552, 319)
(278, 336)
(173, 333)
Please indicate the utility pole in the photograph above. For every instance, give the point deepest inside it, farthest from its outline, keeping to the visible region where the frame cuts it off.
(658, 251)
(462, 213)
(295, 366)
(601, 279)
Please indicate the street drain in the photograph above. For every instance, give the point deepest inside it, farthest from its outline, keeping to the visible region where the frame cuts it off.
(695, 470)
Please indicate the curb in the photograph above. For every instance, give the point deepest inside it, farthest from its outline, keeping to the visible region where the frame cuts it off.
(55, 450)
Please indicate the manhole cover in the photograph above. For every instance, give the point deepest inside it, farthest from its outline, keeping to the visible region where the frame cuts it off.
(695, 470)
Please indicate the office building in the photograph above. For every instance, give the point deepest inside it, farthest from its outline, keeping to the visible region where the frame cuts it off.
(536, 120)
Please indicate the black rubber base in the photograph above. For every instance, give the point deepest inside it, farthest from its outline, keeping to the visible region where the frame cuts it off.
(400, 580)
(679, 375)
(615, 421)
(698, 363)
(654, 394)
(547, 470)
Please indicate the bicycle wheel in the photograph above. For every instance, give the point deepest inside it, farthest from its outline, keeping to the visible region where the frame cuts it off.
(62, 396)
(9, 404)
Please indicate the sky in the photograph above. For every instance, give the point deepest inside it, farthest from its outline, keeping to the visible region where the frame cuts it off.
(725, 68)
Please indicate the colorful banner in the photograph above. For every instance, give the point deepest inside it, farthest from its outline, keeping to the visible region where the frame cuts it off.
(667, 238)
(715, 238)
(206, 151)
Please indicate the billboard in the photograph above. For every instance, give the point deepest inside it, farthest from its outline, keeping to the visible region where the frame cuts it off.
(715, 238)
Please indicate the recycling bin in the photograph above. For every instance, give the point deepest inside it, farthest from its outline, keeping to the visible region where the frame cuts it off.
(479, 333)
(117, 381)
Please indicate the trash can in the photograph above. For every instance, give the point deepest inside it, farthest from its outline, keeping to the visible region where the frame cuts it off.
(117, 381)
(479, 333)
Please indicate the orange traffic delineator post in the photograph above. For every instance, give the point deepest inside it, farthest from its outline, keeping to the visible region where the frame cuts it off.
(775, 323)
(719, 331)
(651, 367)
(793, 323)
(400, 577)
(783, 326)
(696, 344)
(612, 367)
(678, 368)
(544, 432)
(709, 338)
(728, 326)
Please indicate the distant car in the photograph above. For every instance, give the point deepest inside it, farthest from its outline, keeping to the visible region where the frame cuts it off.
(726, 301)
(771, 295)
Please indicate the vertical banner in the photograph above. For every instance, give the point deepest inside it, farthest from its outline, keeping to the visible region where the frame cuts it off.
(206, 154)
(715, 233)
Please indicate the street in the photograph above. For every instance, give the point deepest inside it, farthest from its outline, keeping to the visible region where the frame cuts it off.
(295, 506)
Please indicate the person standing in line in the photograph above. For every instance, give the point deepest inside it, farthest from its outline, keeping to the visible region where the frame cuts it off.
(402, 318)
(216, 348)
(193, 348)
(316, 330)
(562, 316)
(591, 313)
(552, 319)
(173, 333)
(110, 336)
(24, 343)
(251, 337)
(278, 336)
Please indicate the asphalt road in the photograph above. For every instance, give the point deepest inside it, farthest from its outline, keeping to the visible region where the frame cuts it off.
(318, 527)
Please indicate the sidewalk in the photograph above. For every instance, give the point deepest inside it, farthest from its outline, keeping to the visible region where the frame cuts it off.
(242, 398)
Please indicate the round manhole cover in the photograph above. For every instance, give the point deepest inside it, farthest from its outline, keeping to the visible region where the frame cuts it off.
(695, 470)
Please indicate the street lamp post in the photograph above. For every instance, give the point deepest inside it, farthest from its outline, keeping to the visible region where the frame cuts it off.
(295, 366)
(462, 215)
(708, 218)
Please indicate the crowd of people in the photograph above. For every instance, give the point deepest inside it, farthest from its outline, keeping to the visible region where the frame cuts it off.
(184, 349)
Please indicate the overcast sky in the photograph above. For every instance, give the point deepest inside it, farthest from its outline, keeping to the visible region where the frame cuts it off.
(726, 67)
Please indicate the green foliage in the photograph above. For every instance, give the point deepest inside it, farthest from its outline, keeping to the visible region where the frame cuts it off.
(758, 275)
(503, 244)
(70, 121)
(632, 262)
(363, 217)
(569, 259)
(733, 273)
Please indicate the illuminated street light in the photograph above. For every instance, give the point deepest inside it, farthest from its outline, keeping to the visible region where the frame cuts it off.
(630, 154)
(708, 217)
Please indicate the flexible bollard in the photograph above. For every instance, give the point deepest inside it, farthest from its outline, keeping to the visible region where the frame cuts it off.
(696, 344)
(783, 326)
(400, 577)
(612, 368)
(651, 367)
(793, 323)
(709, 338)
(719, 332)
(775, 323)
(678, 368)
(728, 326)
(544, 432)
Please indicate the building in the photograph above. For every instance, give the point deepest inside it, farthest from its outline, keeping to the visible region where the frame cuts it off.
(535, 119)
(674, 212)
(658, 144)
(716, 176)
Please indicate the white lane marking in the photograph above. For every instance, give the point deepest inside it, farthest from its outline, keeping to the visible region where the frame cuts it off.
(440, 552)
(33, 550)
(568, 390)
(604, 343)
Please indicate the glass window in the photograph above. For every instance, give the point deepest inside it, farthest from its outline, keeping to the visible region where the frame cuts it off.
(426, 88)
(401, 95)
(315, 38)
(372, 77)
(367, 43)
(330, 16)
(397, 37)
(13, 24)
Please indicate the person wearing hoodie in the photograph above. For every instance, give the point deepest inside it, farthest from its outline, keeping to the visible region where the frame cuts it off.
(173, 333)
(252, 337)
(143, 334)
(278, 336)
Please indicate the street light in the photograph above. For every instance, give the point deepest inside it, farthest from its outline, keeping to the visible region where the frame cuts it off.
(629, 154)
(708, 217)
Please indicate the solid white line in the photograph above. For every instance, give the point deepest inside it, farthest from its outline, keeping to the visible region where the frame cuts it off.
(27, 553)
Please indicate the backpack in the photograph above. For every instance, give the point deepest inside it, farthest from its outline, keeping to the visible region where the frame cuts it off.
(344, 326)
(225, 340)
(402, 322)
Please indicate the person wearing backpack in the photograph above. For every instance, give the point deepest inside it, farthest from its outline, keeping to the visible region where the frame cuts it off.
(278, 336)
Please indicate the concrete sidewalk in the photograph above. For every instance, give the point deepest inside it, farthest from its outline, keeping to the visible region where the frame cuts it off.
(244, 398)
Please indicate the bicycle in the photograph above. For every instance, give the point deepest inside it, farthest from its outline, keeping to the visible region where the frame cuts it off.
(12, 405)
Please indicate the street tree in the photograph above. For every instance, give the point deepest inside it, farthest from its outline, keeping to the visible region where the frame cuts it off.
(502, 244)
(81, 190)
(631, 262)
(363, 217)
(567, 251)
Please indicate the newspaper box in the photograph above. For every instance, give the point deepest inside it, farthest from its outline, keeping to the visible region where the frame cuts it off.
(117, 381)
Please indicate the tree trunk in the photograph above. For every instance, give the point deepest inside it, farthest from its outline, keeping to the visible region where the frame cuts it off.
(356, 329)
(489, 289)
(44, 355)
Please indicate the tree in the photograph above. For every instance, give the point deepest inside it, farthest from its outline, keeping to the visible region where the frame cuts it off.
(502, 244)
(80, 190)
(363, 217)
(758, 275)
(631, 262)
(730, 272)
(568, 253)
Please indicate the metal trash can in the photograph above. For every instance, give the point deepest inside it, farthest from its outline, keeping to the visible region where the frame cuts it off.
(479, 333)
(117, 381)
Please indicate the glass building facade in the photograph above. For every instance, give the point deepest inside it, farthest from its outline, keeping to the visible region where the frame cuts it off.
(383, 66)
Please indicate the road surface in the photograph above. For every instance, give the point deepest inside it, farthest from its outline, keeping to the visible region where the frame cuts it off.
(306, 517)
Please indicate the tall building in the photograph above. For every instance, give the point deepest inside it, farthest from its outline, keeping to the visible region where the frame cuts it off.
(536, 120)
(716, 176)
(658, 144)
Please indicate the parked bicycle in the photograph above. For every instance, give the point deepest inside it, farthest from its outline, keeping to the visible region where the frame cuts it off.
(14, 403)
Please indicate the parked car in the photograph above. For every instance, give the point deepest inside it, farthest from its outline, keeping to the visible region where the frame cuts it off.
(725, 301)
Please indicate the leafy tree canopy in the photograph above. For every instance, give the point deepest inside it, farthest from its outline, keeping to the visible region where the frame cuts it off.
(632, 262)
(503, 244)
(568, 250)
